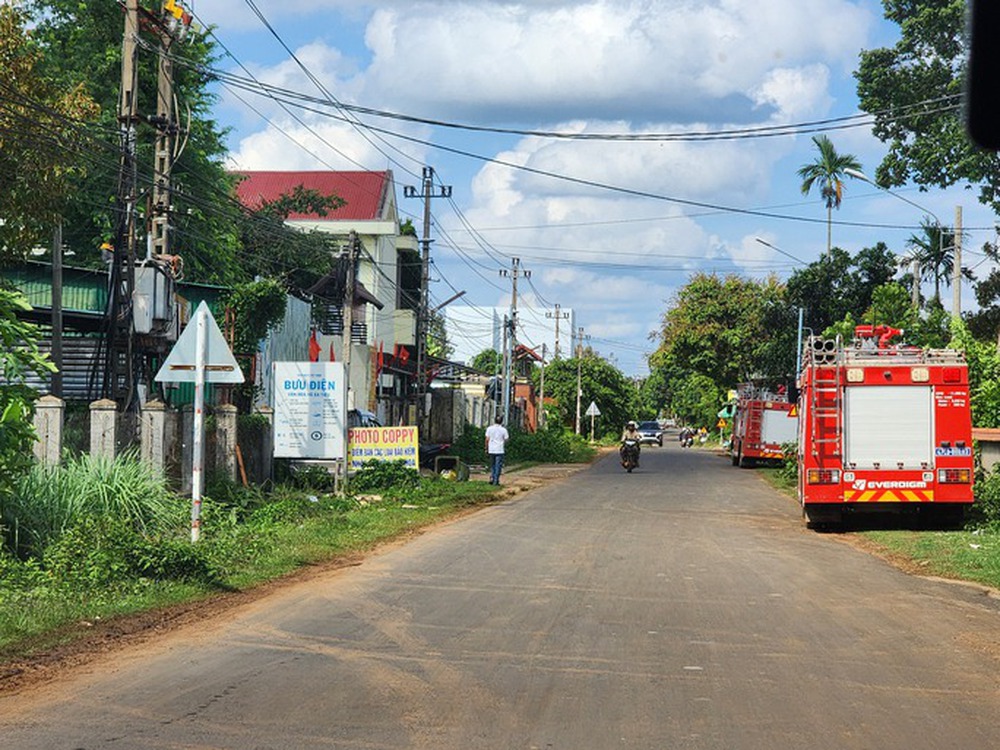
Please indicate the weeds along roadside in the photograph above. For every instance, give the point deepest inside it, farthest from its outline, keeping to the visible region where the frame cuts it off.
(94, 539)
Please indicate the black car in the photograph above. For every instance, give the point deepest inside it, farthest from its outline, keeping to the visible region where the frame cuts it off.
(651, 433)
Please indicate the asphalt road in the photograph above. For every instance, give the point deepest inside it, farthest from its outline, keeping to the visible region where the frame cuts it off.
(681, 606)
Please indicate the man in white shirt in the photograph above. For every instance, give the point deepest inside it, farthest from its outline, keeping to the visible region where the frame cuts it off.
(496, 438)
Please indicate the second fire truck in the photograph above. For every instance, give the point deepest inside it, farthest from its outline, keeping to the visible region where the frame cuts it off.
(883, 426)
(763, 422)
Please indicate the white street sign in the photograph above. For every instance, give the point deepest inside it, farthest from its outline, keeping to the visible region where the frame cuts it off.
(592, 410)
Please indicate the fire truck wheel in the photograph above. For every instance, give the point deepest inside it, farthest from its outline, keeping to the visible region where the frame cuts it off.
(823, 518)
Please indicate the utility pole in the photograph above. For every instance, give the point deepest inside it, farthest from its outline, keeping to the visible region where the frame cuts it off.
(558, 316)
(515, 272)
(57, 313)
(352, 255)
(541, 398)
(579, 375)
(423, 312)
(177, 21)
(956, 282)
(118, 372)
(505, 384)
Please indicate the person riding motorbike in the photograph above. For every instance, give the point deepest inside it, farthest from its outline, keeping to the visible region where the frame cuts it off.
(631, 432)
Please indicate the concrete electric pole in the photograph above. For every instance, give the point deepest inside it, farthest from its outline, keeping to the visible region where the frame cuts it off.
(579, 375)
(427, 192)
(956, 281)
(511, 341)
(558, 315)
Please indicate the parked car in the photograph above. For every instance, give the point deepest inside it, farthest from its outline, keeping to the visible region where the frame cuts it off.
(651, 433)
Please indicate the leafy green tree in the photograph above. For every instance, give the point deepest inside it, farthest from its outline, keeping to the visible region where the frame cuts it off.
(487, 360)
(697, 400)
(19, 357)
(437, 336)
(827, 171)
(984, 375)
(272, 249)
(984, 323)
(837, 285)
(914, 90)
(601, 382)
(934, 249)
(82, 41)
(42, 127)
(654, 394)
(718, 327)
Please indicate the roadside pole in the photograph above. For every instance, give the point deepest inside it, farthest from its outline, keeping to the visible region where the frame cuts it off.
(198, 443)
(201, 355)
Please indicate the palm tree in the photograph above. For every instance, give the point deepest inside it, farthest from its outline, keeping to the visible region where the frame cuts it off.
(934, 250)
(828, 170)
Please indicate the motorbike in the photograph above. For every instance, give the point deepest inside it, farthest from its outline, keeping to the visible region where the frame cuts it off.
(629, 454)
(686, 438)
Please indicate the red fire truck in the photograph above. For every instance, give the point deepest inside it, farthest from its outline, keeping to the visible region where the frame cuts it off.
(762, 422)
(883, 427)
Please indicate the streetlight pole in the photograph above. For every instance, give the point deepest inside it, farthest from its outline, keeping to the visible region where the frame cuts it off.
(858, 174)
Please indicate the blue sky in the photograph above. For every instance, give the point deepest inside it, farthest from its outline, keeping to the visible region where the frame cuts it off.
(616, 256)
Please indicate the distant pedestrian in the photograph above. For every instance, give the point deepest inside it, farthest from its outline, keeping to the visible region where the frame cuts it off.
(496, 439)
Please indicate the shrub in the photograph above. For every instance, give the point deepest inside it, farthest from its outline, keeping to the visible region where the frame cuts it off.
(555, 445)
(986, 510)
(384, 475)
(789, 471)
(48, 500)
(97, 552)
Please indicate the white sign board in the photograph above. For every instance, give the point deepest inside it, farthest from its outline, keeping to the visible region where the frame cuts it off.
(310, 410)
(592, 410)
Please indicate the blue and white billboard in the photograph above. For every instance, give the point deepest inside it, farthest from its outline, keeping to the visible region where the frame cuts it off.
(310, 410)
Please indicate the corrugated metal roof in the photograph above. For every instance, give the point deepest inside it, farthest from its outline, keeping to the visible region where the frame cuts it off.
(364, 192)
(84, 289)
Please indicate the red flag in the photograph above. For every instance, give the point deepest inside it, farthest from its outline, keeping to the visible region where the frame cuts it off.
(402, 354)
(380, 362)
(314, 348)
(332, 357)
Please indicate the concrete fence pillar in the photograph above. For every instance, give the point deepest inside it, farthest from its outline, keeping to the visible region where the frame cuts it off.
(103, 429)
(225, 441)
(153, 436)
(49, 419)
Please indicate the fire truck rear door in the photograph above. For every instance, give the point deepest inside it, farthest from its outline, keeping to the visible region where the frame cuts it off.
(778, 427)
(888, 425)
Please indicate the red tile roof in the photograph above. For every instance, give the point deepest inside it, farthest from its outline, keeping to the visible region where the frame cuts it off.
(364, 192)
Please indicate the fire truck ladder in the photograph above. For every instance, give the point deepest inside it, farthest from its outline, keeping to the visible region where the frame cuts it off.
(825, 407)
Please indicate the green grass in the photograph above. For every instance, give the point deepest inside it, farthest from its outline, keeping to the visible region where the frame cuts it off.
(961, 555)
